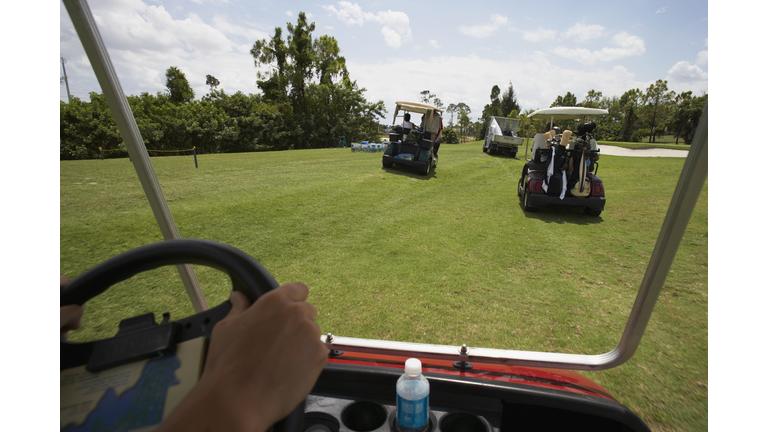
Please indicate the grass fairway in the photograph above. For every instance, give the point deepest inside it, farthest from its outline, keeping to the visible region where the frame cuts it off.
(450, 258)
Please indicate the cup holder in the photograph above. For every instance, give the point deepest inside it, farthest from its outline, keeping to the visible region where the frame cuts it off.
(394, 427)
(320, 422)
(364, 416)
(463, 422)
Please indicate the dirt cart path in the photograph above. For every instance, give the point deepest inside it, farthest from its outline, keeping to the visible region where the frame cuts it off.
(654, 152)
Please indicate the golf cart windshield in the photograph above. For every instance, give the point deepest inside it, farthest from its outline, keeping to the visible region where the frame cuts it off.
(432, 122)
(562, 113)
(683, 202)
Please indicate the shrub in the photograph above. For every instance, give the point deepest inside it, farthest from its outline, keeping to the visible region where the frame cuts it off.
(450, 136)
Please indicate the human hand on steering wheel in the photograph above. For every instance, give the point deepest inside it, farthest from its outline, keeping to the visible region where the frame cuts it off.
(263, 360)
(69, 315)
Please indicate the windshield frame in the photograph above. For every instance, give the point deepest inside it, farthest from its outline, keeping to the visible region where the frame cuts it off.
(684, 200)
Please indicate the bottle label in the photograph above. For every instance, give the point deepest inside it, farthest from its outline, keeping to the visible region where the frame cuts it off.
(412, 414)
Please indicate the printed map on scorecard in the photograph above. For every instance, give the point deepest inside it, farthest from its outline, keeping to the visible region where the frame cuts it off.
(132, 397)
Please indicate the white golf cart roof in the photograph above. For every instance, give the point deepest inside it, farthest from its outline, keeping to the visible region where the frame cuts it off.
(415, 107)
(566, 113)
(432, 114)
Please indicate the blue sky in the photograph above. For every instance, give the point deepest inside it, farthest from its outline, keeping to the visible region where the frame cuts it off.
(457, 50)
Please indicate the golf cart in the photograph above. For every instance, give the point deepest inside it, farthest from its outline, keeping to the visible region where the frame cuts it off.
(561, 171)
(472, 388)
(415, 148)
(502, 136)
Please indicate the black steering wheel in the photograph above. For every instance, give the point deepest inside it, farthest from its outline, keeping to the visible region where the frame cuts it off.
(247, 276)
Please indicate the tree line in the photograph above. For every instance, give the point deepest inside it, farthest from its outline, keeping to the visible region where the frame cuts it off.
(307, 100)
(633, 116)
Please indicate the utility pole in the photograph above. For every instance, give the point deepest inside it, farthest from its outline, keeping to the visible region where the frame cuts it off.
(66, 82)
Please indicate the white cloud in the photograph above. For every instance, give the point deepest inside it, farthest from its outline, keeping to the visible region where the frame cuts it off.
(224, 25)
(661, 10)
(685, 72)
(144, 40)
(703, 58)
(350, 13)
(391, 37)
(627, 45)
(396, 27)
(537, 81)
(433, 43)
(541, 34)
(289, 13)
(484, 30)
(583, 32)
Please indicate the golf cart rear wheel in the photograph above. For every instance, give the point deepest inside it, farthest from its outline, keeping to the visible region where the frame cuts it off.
(387, 164)
(592, 212)
(426, 170)
(513, 154)
(526, 207)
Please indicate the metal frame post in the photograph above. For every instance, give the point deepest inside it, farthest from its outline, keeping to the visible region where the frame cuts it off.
(89, 35)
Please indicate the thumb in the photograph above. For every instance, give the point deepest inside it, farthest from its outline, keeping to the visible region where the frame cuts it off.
(239, 303)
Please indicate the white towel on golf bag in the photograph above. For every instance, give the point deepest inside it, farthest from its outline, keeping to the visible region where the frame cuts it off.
(563, 185)
(550, 171)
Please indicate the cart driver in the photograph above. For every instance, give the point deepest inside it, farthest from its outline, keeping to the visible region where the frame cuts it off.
(407, 122)
(263, 360)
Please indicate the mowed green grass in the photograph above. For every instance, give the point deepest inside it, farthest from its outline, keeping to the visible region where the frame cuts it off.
(450, 258)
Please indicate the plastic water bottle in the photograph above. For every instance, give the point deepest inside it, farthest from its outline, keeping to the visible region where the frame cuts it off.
(413, 398)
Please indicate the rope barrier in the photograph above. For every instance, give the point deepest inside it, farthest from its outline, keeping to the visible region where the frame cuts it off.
(193, 150)
(170, 151)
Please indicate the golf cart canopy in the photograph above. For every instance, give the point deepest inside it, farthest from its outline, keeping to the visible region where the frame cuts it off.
(415, 107)
(566, 113)
(432, 114)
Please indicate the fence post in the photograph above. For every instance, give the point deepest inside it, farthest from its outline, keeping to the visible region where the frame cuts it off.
(194, 153)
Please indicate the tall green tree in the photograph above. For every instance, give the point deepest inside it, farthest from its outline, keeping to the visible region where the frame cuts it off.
(609, 126)
(308, 83)
(455, 108)
(178, 87)
(211, 81)
(329, 65)
(630, 103)
(492, 109)
(464, 122)
(451, 110)
(655, 100)
(686, 115)
(427, 97)
(301, 50)
(592, 100)
(509, 101)
(568, 100)
(272, 53)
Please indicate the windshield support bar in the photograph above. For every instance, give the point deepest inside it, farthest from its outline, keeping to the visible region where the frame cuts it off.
(89, 35)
